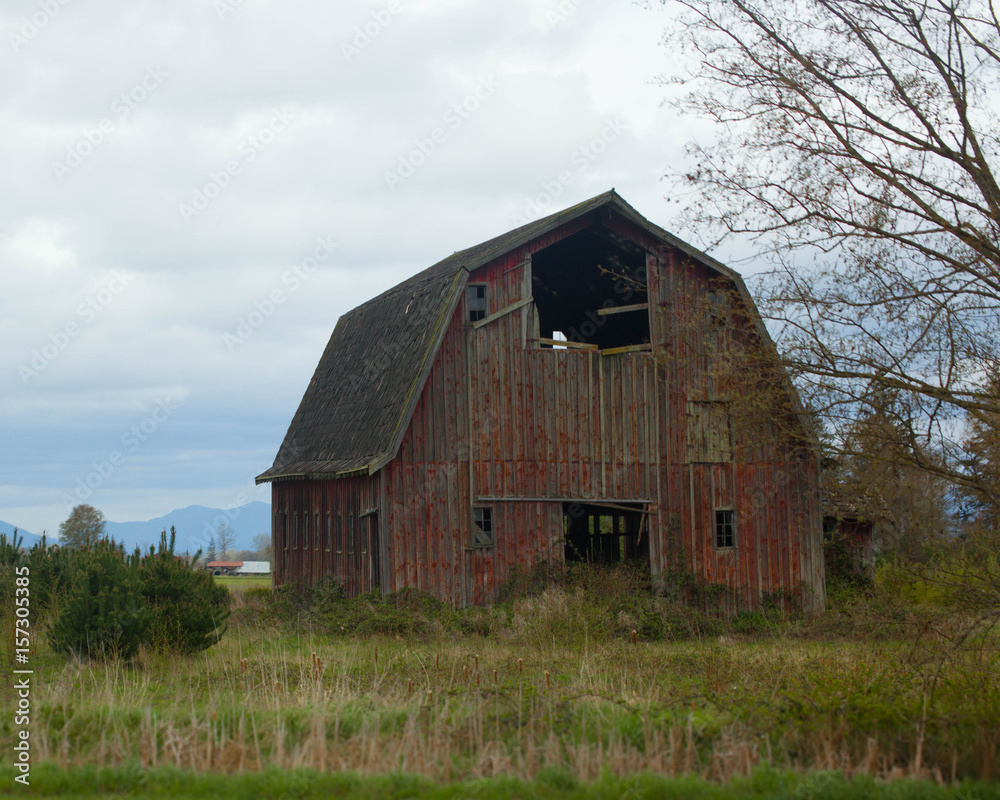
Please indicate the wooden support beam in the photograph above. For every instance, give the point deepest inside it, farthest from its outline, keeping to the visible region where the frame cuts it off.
(603, 312)
(612, 502)
(632, 348)
(501, 313)
(570, 345)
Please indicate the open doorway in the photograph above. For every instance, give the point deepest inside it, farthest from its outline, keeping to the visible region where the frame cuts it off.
(608, 533)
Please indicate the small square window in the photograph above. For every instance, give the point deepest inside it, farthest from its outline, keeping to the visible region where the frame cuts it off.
(482, 528)
(725, 528)
(476, 300)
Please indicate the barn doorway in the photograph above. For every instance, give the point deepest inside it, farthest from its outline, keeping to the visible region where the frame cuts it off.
(605, 533)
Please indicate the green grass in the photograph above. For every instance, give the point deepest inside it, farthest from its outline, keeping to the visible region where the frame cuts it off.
(171, 783)
(240, 583)
(597, 680)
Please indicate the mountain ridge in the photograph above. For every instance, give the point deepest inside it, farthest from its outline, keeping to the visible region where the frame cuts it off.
(194, 524)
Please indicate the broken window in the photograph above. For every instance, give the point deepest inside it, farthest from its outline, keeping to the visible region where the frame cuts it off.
(475, 296)
(482, 527)
(591, 287)
(725, 528)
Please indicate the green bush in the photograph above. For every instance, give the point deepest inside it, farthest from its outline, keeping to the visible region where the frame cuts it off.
(102, 615)
(115, 602)
(188, 609)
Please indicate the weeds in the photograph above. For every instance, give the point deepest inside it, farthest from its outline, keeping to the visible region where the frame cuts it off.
(589, 674)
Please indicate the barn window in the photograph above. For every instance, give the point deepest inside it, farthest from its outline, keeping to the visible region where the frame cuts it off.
(350, 534)
(329, 531)
(295, 531)
(476, 300)
(592, 288)
(316, 533)
(725, 528)
(281, 528)
(482, 527)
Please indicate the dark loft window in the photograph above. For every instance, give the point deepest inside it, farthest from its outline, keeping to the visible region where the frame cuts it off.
(590, 287)
(476, 297)
(725, 527)
(482, 527)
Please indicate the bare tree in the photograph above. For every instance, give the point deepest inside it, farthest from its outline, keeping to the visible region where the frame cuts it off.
(225, 538)
(858, 149)
(262, 545)
(84, 527)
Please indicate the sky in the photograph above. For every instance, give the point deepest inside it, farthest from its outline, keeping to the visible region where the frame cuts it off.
(197, 190)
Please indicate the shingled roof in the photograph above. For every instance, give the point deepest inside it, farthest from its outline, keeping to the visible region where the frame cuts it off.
(356, 408)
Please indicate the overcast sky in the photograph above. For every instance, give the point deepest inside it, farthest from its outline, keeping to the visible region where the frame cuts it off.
(171, 167)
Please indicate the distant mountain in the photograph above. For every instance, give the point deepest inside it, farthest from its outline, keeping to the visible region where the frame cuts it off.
(195, 525)
(29, 538)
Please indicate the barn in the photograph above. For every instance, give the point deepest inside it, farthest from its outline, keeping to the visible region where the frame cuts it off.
(571, 390)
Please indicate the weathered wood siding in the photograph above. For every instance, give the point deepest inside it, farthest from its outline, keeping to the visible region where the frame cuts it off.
(342, 541)
(771, 483)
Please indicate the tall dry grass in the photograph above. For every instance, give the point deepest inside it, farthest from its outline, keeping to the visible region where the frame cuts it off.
(555, 681)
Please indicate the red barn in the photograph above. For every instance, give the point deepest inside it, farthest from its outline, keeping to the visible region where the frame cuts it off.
(562, 392)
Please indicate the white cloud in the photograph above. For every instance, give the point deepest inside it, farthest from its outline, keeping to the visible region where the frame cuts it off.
(562, 70)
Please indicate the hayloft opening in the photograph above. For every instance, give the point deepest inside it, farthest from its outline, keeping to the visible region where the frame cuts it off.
(605, 534)
(591, 288)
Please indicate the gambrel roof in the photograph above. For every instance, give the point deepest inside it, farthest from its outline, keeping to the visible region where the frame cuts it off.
(357, 406)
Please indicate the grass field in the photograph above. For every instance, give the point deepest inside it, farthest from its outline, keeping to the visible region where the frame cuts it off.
(166, 782)
(559, 689)
(240, 583)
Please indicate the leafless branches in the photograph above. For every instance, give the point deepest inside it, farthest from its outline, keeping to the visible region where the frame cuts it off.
(858, 149)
